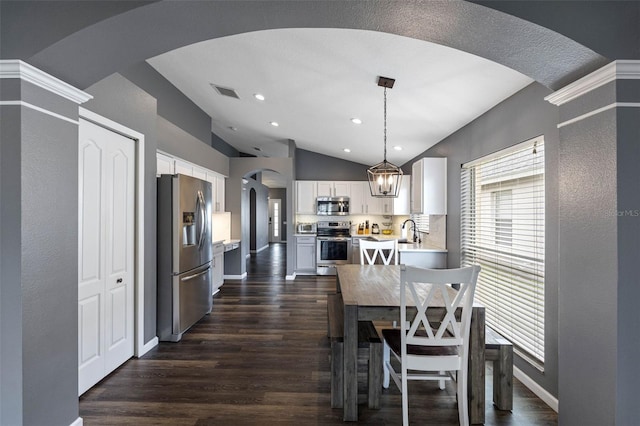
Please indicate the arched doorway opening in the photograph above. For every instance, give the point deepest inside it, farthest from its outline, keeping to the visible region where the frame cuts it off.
(264, 208)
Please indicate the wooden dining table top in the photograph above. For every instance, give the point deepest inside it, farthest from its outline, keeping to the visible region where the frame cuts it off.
(378, 286)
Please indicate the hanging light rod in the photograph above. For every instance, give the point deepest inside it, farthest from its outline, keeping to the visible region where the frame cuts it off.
(384, 178)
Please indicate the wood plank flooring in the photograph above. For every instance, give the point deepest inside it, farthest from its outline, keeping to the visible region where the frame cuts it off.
(262, 358)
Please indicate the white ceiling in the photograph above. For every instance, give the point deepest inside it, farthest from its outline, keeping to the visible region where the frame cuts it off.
(316, 80)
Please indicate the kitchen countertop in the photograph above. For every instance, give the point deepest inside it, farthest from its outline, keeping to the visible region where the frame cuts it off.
(406, 247)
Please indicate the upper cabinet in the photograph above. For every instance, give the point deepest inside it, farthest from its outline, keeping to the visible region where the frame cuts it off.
(334, 189)
(306, 193)
(429, 186)
(167, 165)
(401, 204)
(217, 188)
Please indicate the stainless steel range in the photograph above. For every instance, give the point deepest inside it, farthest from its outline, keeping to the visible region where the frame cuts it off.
(333, 246)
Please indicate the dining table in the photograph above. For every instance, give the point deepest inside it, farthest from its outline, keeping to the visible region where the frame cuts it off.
(371, 293)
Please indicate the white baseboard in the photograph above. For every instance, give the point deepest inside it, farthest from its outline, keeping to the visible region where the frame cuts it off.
(77, 422)
(259, 250)
(148, 346)
(290, 277)
(540, 392)
(235, 277)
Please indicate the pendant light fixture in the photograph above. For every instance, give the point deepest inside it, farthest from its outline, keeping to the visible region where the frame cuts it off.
(385, 177)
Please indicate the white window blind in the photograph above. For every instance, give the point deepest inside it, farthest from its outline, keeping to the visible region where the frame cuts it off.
(502, 230)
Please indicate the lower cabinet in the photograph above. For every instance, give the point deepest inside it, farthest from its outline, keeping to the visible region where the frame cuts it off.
(306, 255)
(218, 267)
(423, 259)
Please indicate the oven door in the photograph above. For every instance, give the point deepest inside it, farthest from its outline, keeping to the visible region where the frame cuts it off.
(332, 251)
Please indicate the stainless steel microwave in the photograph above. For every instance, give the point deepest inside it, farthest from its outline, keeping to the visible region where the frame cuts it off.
(332, 206)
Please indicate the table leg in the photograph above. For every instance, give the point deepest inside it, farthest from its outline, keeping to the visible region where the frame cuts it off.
(476, 367)
(350, 360)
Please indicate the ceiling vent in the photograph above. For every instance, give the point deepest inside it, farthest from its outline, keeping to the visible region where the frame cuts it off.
(225, 91)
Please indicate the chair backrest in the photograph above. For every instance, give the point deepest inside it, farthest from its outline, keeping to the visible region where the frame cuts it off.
(430, 288)
(386, 250)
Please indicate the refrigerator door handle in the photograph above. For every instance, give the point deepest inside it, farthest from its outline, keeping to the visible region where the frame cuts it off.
(200, 205)
(190, 277)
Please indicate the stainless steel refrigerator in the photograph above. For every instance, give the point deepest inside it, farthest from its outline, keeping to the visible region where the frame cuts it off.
(184, 254)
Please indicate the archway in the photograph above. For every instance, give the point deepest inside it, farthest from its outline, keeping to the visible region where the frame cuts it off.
(86, 56)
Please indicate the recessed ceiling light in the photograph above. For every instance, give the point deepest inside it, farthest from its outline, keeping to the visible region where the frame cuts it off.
(397, 148)
(274, 124)
(259, 96)
(346, 150)
(356, 121)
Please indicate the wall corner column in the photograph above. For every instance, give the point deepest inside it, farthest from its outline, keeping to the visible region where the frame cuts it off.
(38, 246)
(599, 234)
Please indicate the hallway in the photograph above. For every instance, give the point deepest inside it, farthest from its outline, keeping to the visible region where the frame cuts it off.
(262, 358)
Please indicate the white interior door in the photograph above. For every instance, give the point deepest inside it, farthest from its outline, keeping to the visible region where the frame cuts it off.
(275, 220)
(106, 252)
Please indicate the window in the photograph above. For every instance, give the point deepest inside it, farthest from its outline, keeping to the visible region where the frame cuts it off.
(503, 222)
(422, 222)
(502, 230)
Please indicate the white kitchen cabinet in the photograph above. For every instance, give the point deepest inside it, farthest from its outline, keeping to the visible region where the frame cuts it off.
(357, 203)
(401, 204)
(218, 267)
(306, 193)
(334, 188)
(165, 165)
(429, 186)
(183, 167)
(199, 173)
(219, 205)
(217, 190)
(306, 255)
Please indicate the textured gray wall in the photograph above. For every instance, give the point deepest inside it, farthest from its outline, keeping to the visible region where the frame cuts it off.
(11, 332)
(588, 270)
(521, 117)
(172, 104)
(39, 279)
(314, 166)
(628, 209)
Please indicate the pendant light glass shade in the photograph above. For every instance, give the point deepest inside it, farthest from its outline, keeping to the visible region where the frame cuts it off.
(385, 178)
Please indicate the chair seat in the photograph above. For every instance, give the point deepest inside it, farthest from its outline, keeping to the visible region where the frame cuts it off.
(393, 339)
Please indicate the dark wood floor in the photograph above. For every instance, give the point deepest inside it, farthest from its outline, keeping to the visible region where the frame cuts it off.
(262, 358)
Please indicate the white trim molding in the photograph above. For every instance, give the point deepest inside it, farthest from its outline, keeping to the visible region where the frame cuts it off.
(77, 422)
(15, 68)
(235, 277)
(616, 70)
(290, 277)
(540, 392)
(599, 110)
(37, 108)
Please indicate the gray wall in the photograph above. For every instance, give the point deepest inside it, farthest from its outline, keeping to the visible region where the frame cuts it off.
(521, 117)
(38, 307)
(314, 166)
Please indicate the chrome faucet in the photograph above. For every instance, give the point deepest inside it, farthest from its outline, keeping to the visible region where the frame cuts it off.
(415, 230)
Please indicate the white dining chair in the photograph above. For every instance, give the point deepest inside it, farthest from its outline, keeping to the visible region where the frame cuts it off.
(386, 251)
(433, 350)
